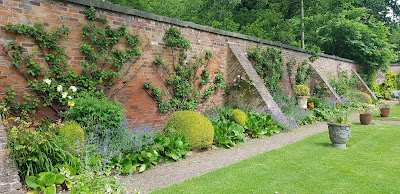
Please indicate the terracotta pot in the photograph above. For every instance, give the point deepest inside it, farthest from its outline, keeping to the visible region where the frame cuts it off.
(385, 112)
(365, 119)
(339, 134)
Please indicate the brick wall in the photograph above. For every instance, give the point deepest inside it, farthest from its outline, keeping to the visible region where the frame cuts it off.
(141, 108)
(381, 76)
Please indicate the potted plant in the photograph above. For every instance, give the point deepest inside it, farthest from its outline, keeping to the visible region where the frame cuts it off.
(385, 106)
(302, 93)
(366, 110)
(339, 128)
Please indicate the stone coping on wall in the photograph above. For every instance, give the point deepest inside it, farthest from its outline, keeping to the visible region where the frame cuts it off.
(394, 64)
(154, 17)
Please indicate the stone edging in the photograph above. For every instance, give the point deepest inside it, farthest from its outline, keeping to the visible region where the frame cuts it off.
(154, 17)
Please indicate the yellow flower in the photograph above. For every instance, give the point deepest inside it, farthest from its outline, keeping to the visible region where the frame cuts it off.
(71, 103)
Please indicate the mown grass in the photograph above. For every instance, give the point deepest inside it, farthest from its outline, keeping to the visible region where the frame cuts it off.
(369, 165)
(393, 116)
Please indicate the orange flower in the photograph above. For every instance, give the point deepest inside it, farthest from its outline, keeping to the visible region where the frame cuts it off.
(311, 104)
(306, 109)
(337, 103)
(304, 99)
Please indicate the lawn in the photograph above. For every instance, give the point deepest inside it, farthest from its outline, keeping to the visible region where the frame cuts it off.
(369, 165)
(393, 116)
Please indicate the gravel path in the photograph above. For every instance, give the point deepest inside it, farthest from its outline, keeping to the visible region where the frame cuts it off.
(202, 162)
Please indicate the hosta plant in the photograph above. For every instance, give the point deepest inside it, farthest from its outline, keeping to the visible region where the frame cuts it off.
(228, 134)
(260, 125)
(45, 181)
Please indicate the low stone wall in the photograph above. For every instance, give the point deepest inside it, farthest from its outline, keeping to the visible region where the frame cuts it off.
(9, 179)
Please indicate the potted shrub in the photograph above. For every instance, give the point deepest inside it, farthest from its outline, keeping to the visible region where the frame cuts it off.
(366, 110)
(302, 93)
(385, 106)
(339, 128)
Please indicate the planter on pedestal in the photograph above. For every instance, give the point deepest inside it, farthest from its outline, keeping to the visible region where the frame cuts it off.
(365, 119)
(302, 101)
(339, 134)
(385, 112)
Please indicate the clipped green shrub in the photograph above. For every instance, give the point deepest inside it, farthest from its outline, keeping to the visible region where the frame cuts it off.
(96, 114)
(363, 97)
(239, 116)
(315, 100)
(197, 129)
(73, 133)
(301, 90)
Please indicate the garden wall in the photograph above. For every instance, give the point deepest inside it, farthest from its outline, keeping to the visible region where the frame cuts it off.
(381, 76)
(141, 108)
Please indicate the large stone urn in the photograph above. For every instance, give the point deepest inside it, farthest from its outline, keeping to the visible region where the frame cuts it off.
(339, 134)
(302, 101)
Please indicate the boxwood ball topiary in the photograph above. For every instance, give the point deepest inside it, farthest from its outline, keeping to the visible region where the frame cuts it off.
(364, 97)
(239, 116)
(196, 128)
(73, 133)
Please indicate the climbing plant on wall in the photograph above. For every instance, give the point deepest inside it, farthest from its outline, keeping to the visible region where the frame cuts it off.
(304, 72)
(54, 81)
(269, 66)
(186, 83)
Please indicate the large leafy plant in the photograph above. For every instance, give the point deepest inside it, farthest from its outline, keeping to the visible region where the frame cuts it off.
(260, 125)
(228, 134)
(45, 181)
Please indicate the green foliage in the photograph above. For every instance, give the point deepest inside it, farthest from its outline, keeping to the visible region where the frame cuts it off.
(239, 116)
(45, 181)
(74, 135)
(385, 104)
(320, 90)
(173, 148)
(19, 108)
(196, 128)
(315, 100)
(364, 97)
(260, 125)
(174, 39)
(301, 90)
(94, 114)
(228, 134)
(184, 88)
(217, 113)
(269, 65)
(389, 84)
(398, 81)
(304, 72)
(102, 68)
(356, 35)
(34, 149)
(343, 83)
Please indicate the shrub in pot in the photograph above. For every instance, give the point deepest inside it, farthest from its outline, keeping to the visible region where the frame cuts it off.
(302, 93)
(366, 110)
(339, 127)
(385, 106)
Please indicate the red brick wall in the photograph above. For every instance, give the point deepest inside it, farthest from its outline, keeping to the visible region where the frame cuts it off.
(140, 107)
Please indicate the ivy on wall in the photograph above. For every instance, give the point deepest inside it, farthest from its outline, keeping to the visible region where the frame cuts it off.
(187, 83)
(54, 81)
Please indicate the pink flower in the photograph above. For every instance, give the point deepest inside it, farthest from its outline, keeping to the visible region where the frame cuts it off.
(234, 80)
(242, 77)
(234, 84)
